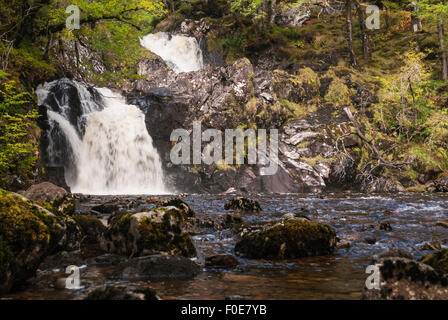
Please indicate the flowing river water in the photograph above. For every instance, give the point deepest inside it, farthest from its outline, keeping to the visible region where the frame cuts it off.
(413, 218)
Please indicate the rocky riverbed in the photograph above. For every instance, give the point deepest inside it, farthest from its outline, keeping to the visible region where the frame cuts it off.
(212, 268)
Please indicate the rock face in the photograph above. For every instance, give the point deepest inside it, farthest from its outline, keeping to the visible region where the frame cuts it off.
(29, 233)
(156, 268)
(242, 204)
(292, 238)
(145, 233)
(406, 279)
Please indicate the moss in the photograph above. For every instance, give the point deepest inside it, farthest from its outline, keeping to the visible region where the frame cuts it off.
(26, 232)
(165, 236)
(91, 227)
(292, 238)
(338, 93)
(438, 260)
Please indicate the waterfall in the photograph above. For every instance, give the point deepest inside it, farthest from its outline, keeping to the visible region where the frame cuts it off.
(111, 151)
(179, 52)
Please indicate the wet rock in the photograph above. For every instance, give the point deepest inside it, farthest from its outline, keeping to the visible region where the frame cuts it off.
(156, 268)
(392, 252)
(434, 246)
(232, 219)
(370, 240)
(443, 224)
(92, 228)
(406, 279)
(145, 233)
(108, 207)
(60, 283)
(221, 261)
(242, 204)
(437, 260)
(384, 225)
(343, 245)
(178, 203)
(107, 259)
(122, 292)
(293, 238)
(441, 184)
(61, 260)
(293, 16)
(29, 233)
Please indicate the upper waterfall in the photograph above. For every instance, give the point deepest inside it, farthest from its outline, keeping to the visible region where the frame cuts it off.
(111, 151)
(181, 53)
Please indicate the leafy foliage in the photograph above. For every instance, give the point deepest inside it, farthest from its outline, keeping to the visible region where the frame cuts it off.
(17, 150)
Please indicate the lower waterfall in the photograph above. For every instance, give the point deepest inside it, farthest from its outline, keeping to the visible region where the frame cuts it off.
(111, 149)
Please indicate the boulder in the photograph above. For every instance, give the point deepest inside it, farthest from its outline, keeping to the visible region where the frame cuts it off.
(47, 192)
(441, 184)
(293, 238)
(242, 204)
(92, 228)
(406, 279)
(156, 268)
(145, 233)
(29, 233)
(221, 261)
(122, 292)
(437, 260)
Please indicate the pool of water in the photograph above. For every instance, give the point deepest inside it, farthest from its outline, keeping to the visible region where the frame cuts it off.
(413, 219)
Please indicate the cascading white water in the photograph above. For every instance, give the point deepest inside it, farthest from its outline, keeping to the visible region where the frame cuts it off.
(116, 153)
(180, 53)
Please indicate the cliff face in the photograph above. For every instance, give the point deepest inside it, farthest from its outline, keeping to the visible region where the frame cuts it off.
(304, 101)
(291, 73)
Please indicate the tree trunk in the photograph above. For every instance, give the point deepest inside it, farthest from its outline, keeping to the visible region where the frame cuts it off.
(348, 16)
(364, 34)
(442, 49)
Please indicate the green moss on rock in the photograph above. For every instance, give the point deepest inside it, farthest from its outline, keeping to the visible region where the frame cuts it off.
(153, 232)
(293, 238)
(437, 260)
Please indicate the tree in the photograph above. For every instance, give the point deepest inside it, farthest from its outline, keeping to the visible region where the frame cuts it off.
(349, 33)
(437, 11)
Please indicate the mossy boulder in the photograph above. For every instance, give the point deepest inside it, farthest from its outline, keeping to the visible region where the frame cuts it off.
(28, 233)
(288, 239)
(146, 233)
(405, 279)
(176, 202)
(437, 260)
(92, 228)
